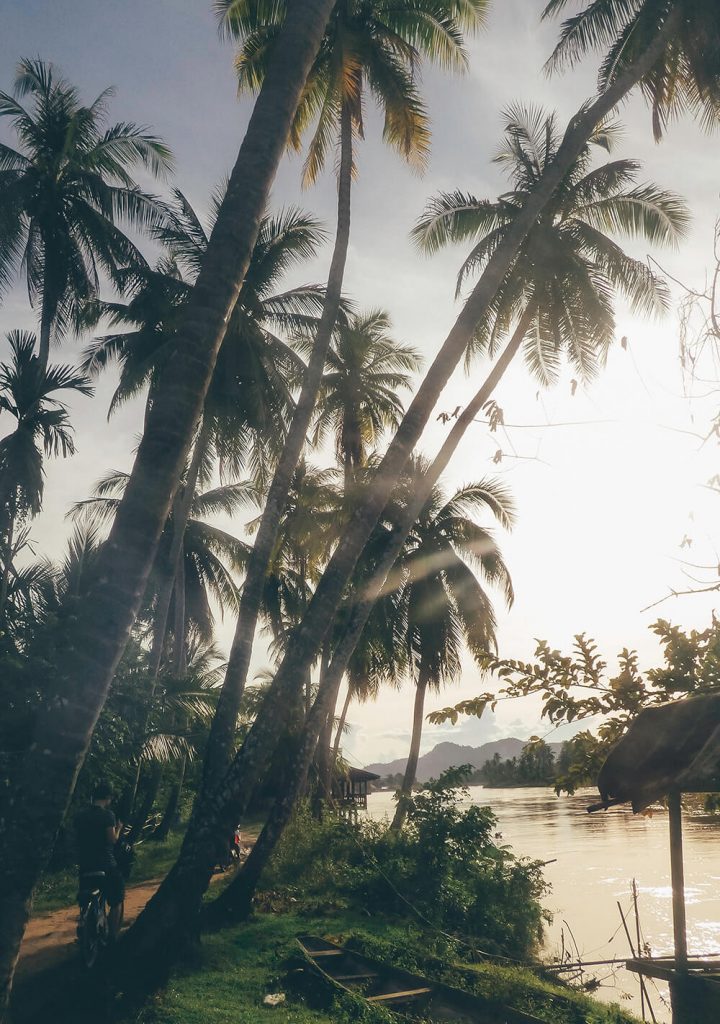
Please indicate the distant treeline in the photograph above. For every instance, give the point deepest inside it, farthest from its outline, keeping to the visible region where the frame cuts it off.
(537, 765)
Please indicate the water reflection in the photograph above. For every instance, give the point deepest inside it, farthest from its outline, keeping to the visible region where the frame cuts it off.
(598, 855)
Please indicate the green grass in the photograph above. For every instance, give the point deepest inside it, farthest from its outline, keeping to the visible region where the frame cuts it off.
(237, 967)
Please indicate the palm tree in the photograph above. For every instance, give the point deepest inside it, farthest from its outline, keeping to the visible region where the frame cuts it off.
(44, 783)
(686, 74)
(561, 287)
(367, 46)
(64, 191)
(249, 400)
(210, 556)
(250, 760)
(42, 429)
(444, 603)
(310, 635)
(359, 397)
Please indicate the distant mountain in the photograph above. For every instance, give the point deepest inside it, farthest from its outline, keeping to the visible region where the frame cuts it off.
(449, 755)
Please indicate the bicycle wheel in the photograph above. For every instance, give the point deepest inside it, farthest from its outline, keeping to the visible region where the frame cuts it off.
(90, 933)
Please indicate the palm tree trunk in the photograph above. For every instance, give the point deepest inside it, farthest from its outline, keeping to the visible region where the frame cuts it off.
(179, 665)
(44, 781)
(341, 727)
(178, 899)
(7, 560)
(175, 906)
(218, 753)
(148, 801)
(236, 901)
(181, 513)
(411, 766)
(47, 315)
(309, 635)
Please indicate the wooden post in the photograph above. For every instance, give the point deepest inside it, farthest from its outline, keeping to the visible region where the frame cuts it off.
(678, 881)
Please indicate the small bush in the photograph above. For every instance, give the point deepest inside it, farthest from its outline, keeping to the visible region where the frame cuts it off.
(442, 869)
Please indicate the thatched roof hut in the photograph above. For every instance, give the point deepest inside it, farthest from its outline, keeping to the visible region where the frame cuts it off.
(667, 751)
(670, 747)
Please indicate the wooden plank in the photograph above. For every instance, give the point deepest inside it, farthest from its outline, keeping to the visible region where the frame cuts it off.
(408, 994)
(355, 977)
(651, 970)
(678, 880)
(326, 952)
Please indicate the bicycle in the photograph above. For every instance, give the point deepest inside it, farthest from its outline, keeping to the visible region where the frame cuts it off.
(93, 929)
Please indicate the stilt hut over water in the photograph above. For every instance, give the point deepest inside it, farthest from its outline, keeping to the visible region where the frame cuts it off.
(667, 751)
(350, 787)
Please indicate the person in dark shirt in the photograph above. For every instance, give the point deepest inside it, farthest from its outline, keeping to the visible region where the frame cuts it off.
(97, 831)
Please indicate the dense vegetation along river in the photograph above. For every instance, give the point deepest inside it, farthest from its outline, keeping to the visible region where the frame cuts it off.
(598, 855)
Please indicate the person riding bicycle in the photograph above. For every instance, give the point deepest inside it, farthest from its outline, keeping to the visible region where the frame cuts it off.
(97, 831)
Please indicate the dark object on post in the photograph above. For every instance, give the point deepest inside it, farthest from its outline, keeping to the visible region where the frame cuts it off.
(667, 751)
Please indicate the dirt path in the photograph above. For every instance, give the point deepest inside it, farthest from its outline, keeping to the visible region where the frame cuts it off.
(50, 939)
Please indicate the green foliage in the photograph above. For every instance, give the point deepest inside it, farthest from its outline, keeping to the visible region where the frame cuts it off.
(577, 686)
(442, 870)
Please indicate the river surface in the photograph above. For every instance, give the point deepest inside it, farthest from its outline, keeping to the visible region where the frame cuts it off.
(596, 858)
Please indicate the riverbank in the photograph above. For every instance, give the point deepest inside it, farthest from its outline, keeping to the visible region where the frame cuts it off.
(237, 968)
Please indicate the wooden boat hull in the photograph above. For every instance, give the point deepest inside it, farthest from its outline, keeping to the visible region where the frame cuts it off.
(409, 995)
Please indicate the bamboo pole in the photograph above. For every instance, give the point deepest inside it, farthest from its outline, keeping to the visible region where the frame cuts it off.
(643, 989)
(678, 881)
(637, 941)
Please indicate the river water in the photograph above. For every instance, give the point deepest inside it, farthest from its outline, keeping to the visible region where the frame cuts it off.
(596, 858)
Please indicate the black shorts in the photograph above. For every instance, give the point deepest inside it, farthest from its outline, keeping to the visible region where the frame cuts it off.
(112, 885)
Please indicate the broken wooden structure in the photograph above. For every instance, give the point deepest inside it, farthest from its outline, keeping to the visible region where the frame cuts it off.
(667, 751)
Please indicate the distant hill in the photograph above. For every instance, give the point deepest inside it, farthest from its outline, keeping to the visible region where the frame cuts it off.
(449, 755)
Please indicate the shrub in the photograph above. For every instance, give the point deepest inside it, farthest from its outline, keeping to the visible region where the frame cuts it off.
(443, 869)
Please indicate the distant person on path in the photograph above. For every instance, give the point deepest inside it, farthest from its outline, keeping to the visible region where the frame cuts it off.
(97, 831)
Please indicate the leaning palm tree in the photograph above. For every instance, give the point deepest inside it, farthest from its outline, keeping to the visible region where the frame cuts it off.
(445, 603)
(674, 13)
(64, 192)
(559, 293)
(103, 627)
(368, 47)
(42, 429)
(359, 396)
(250, 761)
(686, 73)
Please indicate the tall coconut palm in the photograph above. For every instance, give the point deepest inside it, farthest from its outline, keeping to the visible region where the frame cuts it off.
(367, 47)
(686, 74)
(251, 758)
(43, 782)
(560, 291)
(359, 395)
(445, 604)
(310, 635)
(42, 429)
(64, 191)
(249, 401)
(211, 557)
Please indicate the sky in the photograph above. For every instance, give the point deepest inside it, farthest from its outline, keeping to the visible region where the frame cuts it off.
(610, 481)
